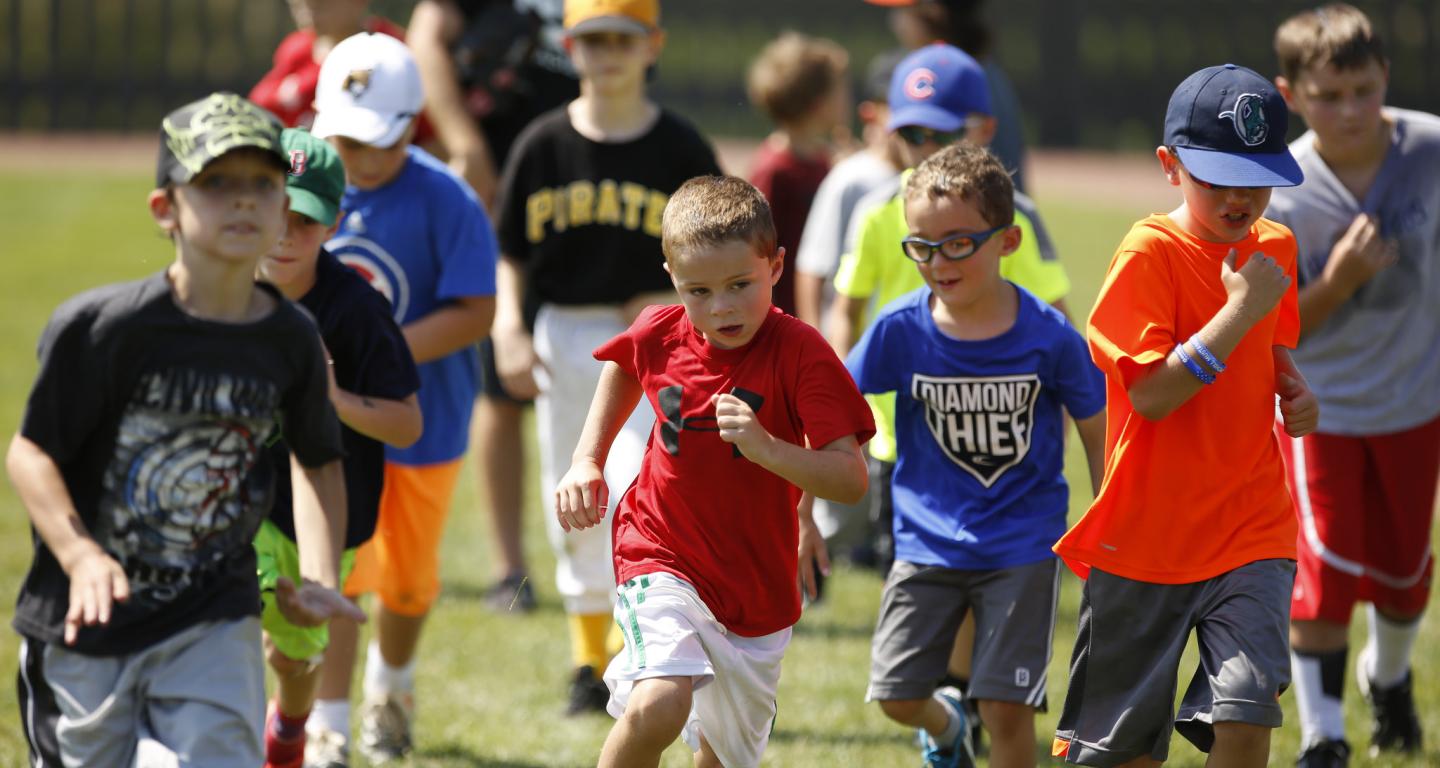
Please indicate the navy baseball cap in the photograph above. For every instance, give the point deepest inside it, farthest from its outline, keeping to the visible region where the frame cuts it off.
(1227, 124)
(937, 87)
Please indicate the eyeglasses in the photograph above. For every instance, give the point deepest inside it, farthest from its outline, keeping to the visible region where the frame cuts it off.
(916, 136)
(953, 248)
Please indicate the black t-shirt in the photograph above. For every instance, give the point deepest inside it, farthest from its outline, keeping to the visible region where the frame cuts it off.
(584, 216)
(158, 421)
(512, 66)
(371, 358)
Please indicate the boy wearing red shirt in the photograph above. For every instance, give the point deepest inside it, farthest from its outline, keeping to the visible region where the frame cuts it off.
(745, 397)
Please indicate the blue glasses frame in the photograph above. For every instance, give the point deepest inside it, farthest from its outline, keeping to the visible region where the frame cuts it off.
(953, 248)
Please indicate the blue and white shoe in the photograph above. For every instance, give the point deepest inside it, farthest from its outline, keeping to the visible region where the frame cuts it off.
(956, 754)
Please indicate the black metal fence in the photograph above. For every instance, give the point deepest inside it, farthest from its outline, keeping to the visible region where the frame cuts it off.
(1090, 73)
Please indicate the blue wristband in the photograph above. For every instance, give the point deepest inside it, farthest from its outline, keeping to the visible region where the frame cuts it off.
(1203, 375)
(1206, 355)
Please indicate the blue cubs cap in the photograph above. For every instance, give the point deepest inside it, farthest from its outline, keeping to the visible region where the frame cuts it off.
(1227, 124)
(937, 87)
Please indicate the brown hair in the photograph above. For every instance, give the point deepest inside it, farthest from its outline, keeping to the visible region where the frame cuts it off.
(970, 173)
(793, 74)
(1335, 34)
(709, 211)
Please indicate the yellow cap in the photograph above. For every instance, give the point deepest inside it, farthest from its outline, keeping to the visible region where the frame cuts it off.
(630, 16)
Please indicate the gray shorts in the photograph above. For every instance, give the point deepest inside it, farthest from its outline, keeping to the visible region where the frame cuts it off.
(921, 610)
(194, 699)
(1121, 702)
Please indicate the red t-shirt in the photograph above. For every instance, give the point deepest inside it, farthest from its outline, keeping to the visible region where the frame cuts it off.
(789, 182)
(1201, 491)
(700, 510)
(288, 89)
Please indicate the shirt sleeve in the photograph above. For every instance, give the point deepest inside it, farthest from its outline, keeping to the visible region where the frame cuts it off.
(829, 405)
(1133, 324)
(1287, 325)
(383, 365)
(466, 244)
(818, 254)
(1034, 265)
(624, 349)
(66, 400)
(310, 426)
(510, 201)
(858, 276)
(1080, 384)
(871, 361)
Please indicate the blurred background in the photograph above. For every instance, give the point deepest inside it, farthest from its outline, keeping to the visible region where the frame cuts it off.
(1090, 73)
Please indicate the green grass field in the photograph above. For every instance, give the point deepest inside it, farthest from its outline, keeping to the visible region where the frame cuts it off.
(491, 687)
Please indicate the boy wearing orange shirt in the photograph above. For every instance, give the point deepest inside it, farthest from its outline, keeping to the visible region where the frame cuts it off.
(1192, 527)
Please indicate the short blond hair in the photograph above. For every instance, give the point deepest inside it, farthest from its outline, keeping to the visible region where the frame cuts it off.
(1335, 34)
(794, 74)
(970, 173)
(709, 211)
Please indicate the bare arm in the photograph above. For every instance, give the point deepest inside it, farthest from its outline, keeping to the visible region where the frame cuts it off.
(393, 422)
(1092, 437)
(835, 471)
(842, 324)
(582, 497)
(96, 580)
(1252, 292)
(450, 327)
(809, 292)
(515, 358)
(319, 508)
(1299, 408)
(434, 26)
(1359, 255)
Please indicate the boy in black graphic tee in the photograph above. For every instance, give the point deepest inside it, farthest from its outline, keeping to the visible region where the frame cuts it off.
(579, 228)
(136, 461)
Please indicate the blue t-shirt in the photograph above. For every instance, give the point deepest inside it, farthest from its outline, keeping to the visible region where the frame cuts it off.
(978, 484)
(423, 240)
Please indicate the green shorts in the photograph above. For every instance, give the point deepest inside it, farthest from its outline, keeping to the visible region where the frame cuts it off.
(276, 555)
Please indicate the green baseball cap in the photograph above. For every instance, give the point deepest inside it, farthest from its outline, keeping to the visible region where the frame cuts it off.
(196, 134)
(317, 178)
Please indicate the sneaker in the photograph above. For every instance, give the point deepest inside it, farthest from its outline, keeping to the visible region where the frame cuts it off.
(326, 749)
(385, 727)
(1396, 727)
(512, 594)
(957, 754)
(588, 693)
(1331, 753)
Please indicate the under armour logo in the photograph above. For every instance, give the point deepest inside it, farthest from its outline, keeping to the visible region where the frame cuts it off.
(670, 402)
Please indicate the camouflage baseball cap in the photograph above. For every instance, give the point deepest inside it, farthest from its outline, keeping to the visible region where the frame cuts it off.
(201, 131)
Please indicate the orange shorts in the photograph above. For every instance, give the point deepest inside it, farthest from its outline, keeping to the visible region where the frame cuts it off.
(402, 562)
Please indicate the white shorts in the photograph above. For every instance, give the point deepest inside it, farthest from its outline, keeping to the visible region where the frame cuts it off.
(670, 633)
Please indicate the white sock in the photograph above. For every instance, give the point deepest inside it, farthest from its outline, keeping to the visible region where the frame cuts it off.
(1322, 715)
(953, 723)
(330, 715)
(381, 678)
(1386, 657)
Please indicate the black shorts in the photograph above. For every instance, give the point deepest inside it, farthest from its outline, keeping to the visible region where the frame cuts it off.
(490, 385)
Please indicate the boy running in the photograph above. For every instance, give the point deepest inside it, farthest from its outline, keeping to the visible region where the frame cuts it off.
(372, 386)
(1192, 529)
(1364, 483)
(141, 462)
(987, 371)
(707, 580)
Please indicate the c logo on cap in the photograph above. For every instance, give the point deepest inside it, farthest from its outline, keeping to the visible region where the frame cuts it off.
(920, 84)
(1248, 115)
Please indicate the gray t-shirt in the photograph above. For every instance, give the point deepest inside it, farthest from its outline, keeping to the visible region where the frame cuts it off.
(835, 201)
(1375, 363)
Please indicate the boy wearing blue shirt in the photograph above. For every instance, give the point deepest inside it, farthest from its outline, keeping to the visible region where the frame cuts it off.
(416, 231)
(983, 370)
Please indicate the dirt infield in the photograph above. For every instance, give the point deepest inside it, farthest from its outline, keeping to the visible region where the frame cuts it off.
(1122, 180)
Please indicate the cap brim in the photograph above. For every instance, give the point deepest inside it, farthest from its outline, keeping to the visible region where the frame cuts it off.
(925, 116)
(621, 24)
(307, 203)
(363, 125)
(1241, 169)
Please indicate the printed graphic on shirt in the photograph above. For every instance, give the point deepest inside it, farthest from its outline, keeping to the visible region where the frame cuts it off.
(375, 264)
(982, 423)
(581, 203)
(670, 399)
(180, 480)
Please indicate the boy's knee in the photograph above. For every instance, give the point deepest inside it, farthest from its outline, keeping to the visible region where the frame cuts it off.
(1242, 737)
(903, 711)
(659, 707)
(1007, 719)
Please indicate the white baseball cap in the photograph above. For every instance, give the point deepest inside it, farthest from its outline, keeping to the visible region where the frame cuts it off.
(369, 90)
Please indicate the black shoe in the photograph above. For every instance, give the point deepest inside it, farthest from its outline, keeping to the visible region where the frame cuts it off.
(512, 594)
(588, 693)
(1396, 727)
(1331, 753)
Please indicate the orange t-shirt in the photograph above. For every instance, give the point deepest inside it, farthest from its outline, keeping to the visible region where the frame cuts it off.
(1202, 491)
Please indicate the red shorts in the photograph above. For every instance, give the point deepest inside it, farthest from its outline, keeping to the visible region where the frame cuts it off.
(1365, 505)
